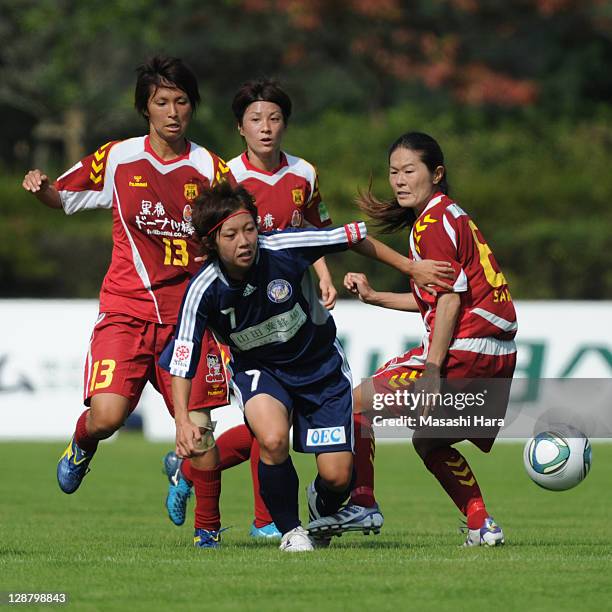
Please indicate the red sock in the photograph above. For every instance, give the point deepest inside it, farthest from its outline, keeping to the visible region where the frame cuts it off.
(365, 447)
(453, 472)
(234, 446)
(207, 486)
(476, 513)
(81, 437)
(186, 470)
(262, 515)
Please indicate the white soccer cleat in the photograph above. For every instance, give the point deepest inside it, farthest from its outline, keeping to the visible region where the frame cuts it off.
(349, 518)
(296, 540)
(490, 534)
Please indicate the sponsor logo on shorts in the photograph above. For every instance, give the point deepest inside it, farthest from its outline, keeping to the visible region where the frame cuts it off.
(279, 290)
(326, 436)
(181, 356)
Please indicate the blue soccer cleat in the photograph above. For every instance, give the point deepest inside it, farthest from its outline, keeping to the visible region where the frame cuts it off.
(72, 467)
(267, 532)
(349, 518)
(204, 538)
(490, 534)
(179, 489)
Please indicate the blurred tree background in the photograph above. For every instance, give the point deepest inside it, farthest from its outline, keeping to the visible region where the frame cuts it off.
(517, 92)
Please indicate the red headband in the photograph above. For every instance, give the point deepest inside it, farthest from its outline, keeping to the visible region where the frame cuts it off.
(240, 212)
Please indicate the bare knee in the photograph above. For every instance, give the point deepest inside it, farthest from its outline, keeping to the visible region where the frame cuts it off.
(337, 480)
(336, 475)
(274, 447)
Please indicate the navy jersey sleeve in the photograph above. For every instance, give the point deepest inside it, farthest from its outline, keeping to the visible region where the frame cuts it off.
(312, 244)
(182, 354)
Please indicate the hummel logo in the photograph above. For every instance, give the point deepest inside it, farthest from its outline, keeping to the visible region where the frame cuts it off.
(248, 290)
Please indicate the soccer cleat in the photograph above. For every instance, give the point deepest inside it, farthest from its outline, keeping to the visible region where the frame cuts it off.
(267, 532)
(311, 496)
(349, 518)
(490, 534)
(205, 538)
(179, 489)
(72, 467)
(296, 540)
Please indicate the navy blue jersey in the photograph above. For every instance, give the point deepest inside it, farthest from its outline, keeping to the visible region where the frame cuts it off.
(273, 317)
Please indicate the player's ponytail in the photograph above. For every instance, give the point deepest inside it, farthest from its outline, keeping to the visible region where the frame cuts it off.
(387, 215)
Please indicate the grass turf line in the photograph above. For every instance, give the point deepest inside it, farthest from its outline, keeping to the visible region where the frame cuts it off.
(110, 546)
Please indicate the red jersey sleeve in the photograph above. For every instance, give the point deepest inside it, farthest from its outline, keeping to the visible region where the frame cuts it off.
(434, 236)
(315, 212)
(88, 184)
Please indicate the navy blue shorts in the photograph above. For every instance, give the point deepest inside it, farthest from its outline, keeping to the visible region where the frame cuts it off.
(322, 409)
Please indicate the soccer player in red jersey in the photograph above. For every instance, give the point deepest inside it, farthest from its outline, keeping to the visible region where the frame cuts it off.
(149, 183)
(469, 330)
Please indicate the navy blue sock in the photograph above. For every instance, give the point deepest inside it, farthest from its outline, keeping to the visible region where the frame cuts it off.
(278, 485)
(329, 501)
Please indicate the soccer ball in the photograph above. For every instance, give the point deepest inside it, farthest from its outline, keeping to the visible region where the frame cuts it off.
(558, 459)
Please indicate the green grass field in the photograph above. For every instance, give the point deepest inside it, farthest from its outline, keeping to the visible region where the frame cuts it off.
(111, 547)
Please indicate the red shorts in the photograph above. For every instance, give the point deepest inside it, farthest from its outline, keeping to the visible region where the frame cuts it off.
(124, 353)
(401, 372)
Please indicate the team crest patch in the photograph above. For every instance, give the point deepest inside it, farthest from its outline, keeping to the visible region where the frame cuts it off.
(279, 290)
(190, 191)
(187, 213)
(298, 196)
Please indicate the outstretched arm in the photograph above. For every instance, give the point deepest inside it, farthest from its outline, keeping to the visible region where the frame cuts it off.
(40, 187)
(424, 273)
(326, 284)
(358, 285)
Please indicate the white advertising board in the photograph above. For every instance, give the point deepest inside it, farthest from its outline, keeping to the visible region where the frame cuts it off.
(43, 344)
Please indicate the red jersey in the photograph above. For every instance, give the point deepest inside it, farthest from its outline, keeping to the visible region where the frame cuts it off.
(154, 242)
(287, 197)
(445, 232)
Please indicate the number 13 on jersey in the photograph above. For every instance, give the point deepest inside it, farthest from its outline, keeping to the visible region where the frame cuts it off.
(175, 252)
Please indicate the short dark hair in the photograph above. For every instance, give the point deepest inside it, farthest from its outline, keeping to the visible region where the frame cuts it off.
(164, 71)
(265, 90)
(388, 215)
(212, 206)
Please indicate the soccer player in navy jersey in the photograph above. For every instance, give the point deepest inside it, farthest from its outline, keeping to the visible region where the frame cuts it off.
(285, 189)
(288, 368)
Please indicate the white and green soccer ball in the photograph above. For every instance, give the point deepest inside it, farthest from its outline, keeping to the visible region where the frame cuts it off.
(558, 459)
